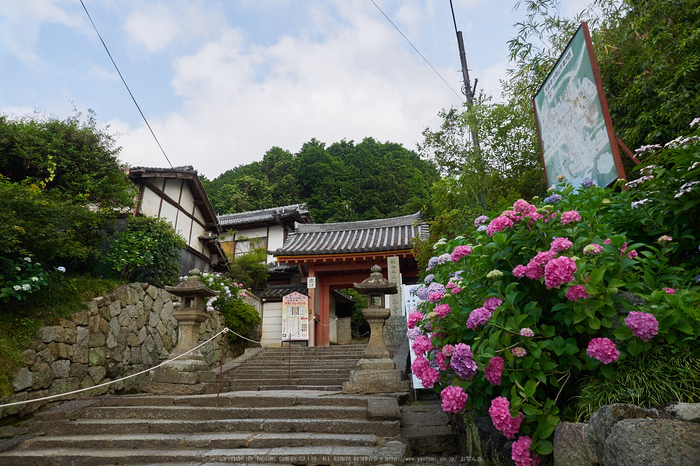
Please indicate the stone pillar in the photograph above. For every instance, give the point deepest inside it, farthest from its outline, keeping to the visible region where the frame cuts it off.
(395, 326)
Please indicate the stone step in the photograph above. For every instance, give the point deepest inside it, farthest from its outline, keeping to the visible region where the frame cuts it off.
(206, 440)
(385, 429)
(283, 371)
(287, 381)
(209, 413)
(239, 399)
(392, 452)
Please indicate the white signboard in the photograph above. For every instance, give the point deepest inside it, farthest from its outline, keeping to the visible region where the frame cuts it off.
(295, 317)
(311, 282)
(411, 301)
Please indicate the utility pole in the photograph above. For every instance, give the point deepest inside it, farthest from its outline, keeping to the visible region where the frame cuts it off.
(467, 89)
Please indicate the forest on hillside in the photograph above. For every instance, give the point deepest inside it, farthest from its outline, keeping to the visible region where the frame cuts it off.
(340, 183)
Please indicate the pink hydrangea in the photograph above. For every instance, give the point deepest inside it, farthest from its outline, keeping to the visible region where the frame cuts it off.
(414, 318)
(435, 297)
(501, 418)
(519, 352)
(441, 310)
(670, 290)
(570, 216)
(519, 271)
(453, 399)
(522, 207)
(498, 224)
(447, 350)
(421, 345)
(520, 452)
(494, 370)
(642, 324)
(559, 271)
(632, 254)
(456, 289)
(492, 303)
(526, 332)
(603, 349)
(450, 285)
(421, 368)
(576, 292)
(441, 360)
(560, 244)
(430, 376)
(459, 252)
(535, 268)
(478, 316)
(593, 248)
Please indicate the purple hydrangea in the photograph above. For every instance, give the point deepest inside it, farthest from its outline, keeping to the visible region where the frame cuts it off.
(436, 287)
(443, 258)
(552, 199)
(587, 183)
(431, 263)
(413, 333)
(478, 317)
(429, 278)
(480, 220)
(462, 362)
(423, 293)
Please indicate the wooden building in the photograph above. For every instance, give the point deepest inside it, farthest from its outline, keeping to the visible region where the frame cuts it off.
(334, 256)
(177, 195)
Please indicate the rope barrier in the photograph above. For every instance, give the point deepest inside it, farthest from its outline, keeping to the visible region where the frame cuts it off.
(225, 330)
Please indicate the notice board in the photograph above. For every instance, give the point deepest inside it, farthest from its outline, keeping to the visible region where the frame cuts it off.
(295, 317)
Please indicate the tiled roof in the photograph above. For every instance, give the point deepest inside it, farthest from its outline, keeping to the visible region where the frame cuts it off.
(296, 211)
(279, 291)
(386, 234)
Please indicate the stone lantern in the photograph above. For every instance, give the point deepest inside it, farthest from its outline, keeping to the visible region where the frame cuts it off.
(191, 368)
(376, 372)
(376, 287)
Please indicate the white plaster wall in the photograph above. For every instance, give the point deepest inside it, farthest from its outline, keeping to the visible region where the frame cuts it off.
(333, 330)
(275, 240)
(272, 324)
(150, 203)
(172, 189)
(169, 212)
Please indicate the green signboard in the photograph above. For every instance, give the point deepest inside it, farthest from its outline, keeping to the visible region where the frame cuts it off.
(572, 117)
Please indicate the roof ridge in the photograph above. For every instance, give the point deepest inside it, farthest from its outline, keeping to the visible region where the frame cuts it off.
(359, 224)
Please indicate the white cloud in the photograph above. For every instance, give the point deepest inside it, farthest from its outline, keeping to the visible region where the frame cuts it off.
(352, 79)
(21, 20)
(154, 26)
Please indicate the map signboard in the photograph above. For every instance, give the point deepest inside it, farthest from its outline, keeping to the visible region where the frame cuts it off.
(295, 317)
(574, 125)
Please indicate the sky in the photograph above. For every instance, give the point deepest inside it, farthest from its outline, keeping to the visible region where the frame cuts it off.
(223, 81)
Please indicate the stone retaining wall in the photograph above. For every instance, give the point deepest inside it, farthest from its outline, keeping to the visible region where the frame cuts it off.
(122, 333)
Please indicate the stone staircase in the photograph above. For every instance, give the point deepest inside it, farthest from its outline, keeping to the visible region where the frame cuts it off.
(316, 368)
(252, 424)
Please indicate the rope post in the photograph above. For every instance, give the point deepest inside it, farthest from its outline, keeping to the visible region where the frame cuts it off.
(221, 365)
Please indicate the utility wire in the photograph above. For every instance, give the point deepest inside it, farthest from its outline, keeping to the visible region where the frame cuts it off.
(414, 48)
(125, 84)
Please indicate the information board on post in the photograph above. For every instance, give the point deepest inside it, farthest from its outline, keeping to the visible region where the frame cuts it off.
(573, 121)
(295, 317)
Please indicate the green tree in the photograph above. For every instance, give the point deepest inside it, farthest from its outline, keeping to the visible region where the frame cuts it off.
(250, 269)
(71, 156)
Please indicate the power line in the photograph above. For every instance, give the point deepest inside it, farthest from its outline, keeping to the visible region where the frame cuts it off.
(414, 48)
(125, 84)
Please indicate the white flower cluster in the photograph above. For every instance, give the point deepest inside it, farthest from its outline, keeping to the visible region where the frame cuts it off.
(636, 204)
(640, 180)
(646, 149)
(694, 122)
(686, 188)
(682, 142)
(648, 170)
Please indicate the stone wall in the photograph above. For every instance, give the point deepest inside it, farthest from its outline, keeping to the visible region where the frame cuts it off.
(122, 333)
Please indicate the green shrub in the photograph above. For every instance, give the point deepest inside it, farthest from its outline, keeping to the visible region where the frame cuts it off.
(239, 316)
(663, 375)
(147, 251)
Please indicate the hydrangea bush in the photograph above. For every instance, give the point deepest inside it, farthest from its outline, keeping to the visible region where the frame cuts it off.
(20, 277)
(240, 316)
(530, 303)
